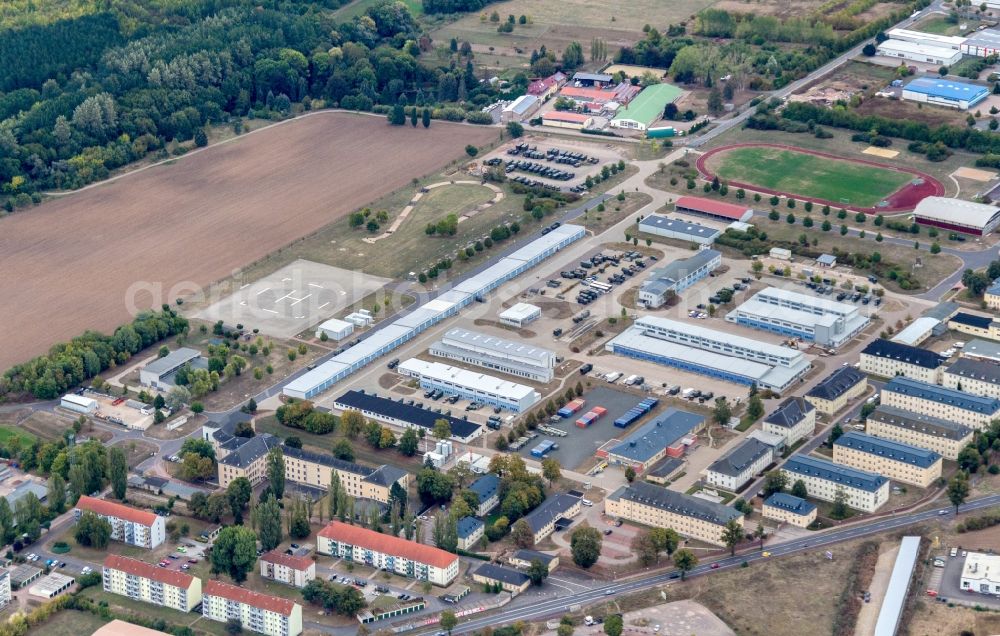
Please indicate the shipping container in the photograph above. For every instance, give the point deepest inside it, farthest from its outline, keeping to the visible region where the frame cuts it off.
(571, 407)
(543, 448)
(660, 133)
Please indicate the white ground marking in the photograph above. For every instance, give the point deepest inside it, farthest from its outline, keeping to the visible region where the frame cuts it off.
(298, 300)
(284, 297)
(244, 286)
(271, 311)
(324, 305)
(315, 285)
(263, 290)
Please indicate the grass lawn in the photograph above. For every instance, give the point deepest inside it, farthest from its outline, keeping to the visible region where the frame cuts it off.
(808, 175)
(358, 7)
(8, 433)
(69, 623)
(942, 25)
(171, 616)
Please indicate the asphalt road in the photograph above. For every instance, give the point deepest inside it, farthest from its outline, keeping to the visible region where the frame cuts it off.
(235, 414)
(560, 605)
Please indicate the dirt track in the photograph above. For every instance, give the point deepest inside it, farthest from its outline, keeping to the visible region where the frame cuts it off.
(72, 264)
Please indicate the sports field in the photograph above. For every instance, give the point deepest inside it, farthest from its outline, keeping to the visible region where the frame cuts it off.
(807, 175)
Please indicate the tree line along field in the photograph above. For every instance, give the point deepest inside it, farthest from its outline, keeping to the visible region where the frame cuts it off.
(74, 263)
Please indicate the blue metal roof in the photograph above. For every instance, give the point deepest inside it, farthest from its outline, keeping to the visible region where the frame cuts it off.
(467, 526)
(888, 449)
(882, 348)
(943, 395)
(946, 88)
(994, 288)
(823, 469)
(485, 487)
(791, 503)
(658, 434)
(972, 320)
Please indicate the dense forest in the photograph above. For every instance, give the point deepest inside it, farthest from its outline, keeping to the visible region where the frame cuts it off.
(108, 87)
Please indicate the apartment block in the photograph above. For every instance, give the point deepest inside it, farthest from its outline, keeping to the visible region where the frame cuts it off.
(979, 377)
(944, 437)
(658, 507)
(837, 390)
(785, 508)
(129, 525)
(975, 325)
(865, 491)
(544, 519)
(292, 570)
(141, 581)
(895, 460)
(739, 465)
(359, 482)
(5, 595)
(941, 402)
(889, 359)
(260, 613)
(794, 419)
(487, 489)
(382, 551)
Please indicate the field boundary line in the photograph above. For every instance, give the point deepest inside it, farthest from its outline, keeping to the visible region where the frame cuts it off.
(191, 153)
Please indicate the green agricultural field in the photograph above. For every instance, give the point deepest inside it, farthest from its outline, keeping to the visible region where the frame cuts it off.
(7, 434)
(808, 175)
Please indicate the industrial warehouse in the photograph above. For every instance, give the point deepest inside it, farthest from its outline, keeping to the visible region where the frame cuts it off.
(714, 353)
(826, 322)
(430, 313)
(505, 356)
(667, 227)
(675, 277)
(969, 217)
(477, 387)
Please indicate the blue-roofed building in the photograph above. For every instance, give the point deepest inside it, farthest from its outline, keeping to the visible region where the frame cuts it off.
(837, 389)
(787, 508)
(403, 415)
(992, 295)
(946, 92)
(470, 531)
(487, 488)
(888, 359)
(973, 411)
(667, 435)
(976, 325)
(655, 506)
(896, 460)
(823, 479)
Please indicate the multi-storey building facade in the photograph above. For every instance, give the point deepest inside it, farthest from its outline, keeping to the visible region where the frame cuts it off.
(895, 460)
(359, 482)
(292, 570)
(543, 519)
(837, 390)
(889, 359)
(790, 313)
(923, 431)
(128, 525)
(975, 325)
(658, 507)
(794, 419)
(381, 551)
(823, 479)
(956, 406)
(739, 465)
(260, 613)
(145, 582)
(979, 377)
(785, 508)
(487, 489)
(506, 356)
(4, 588)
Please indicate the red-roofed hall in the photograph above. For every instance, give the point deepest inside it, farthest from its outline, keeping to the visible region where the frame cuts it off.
(714, 209)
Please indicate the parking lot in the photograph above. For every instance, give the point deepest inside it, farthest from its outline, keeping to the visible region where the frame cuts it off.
(580, 444)
(561, 166)
(294, 298)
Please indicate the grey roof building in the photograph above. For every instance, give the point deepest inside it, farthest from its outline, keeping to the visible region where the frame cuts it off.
(401, 414)
(384, 475)
(980, 349)
(249, 450)
(979, 370)
(888, 449)
(156, 373)
(467, 526)
(550, 510)
(487, 488)
(920, 422)
(943, 395)
(790, 412)
(791, 503)
(679, 229)
(649, 443)
(527, 556)
(836, 473)
(499, 573)
(676, 502)
(741, 457)
(592, 77)
(837, 383)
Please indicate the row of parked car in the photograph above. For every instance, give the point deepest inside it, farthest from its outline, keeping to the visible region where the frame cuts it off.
(540, 169)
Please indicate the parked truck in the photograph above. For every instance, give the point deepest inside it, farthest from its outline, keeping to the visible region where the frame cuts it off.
(612, 377)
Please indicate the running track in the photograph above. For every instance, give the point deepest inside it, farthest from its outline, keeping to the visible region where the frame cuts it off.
(901, 200)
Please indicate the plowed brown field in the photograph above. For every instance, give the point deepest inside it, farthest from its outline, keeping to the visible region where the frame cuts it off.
(75, 263)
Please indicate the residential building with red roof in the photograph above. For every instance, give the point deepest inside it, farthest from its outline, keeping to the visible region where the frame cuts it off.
(149, 583)
(128, 525)
(296, 571)
(383, 551)
(261, 613)
(714, 209)
(546, 87)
